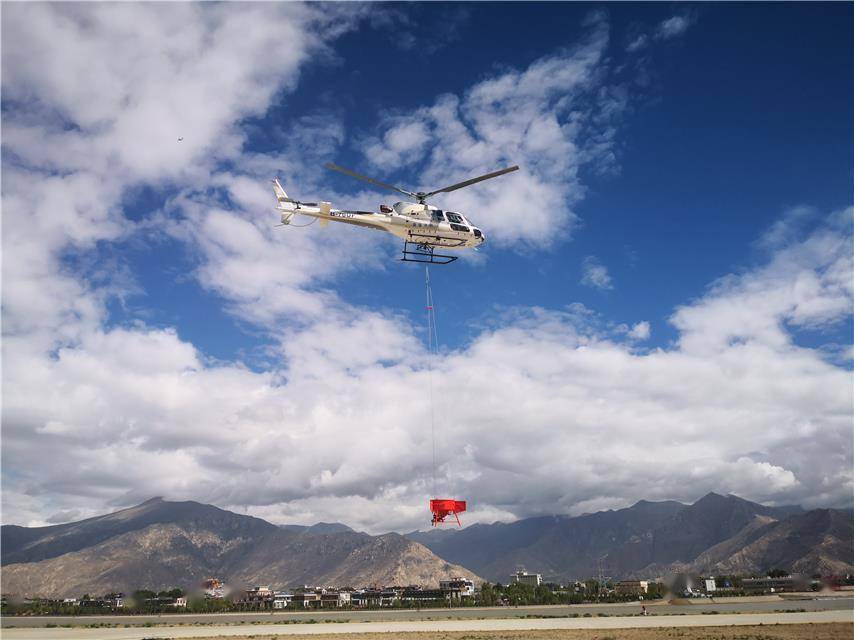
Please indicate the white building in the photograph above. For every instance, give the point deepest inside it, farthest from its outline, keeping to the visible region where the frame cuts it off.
(115, 600)
(632, 587)
(331, 598)
(533, 579)
(458, 587)
(281, 599)
(710, 585)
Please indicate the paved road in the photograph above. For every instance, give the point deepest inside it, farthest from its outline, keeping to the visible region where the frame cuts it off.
(388, 615)
(397, 627)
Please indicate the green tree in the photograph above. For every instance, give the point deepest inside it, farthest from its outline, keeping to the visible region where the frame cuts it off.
(654, 590)
(591, 588)
(488, 596)
(544, 595)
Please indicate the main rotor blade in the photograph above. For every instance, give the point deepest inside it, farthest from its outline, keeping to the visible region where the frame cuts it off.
(471, 181)
(359, 176)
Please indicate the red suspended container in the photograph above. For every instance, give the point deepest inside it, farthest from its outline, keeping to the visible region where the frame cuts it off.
(442, 508)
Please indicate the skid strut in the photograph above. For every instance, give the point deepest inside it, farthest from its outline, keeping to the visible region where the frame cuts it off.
(422, 252)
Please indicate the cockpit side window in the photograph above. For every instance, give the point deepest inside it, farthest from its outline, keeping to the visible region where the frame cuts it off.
(455, 217)
(438, 216)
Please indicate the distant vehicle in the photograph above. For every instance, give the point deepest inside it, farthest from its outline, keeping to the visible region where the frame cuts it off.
(423, 227)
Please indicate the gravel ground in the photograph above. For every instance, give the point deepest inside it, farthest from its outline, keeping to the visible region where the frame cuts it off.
(825, 631)
(806, 625)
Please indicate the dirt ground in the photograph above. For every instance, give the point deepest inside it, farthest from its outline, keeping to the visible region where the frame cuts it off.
(825, 631)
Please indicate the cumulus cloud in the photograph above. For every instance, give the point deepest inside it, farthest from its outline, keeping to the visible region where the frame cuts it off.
(95, 97)
(805, 284)
(543, 411)
(640, 331)
(128, 413)
(404, 142)
(595, 274)
(554, 119)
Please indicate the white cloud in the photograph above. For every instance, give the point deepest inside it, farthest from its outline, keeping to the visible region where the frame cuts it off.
(553, 119)
(96, 96)
(133, 78)
(805, 284)
(595, 274)
(637, 43)
(668, 29)
(640, 331)
(544, 412)
(403, 143)
(125, 414)
(673, 27)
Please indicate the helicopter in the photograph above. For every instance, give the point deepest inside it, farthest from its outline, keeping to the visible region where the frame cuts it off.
(423, 227)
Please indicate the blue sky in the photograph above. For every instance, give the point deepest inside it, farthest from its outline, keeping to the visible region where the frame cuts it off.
(673, 259)
(715, 146)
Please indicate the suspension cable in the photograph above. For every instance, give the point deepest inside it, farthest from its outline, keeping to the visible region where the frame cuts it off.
(433, 349)
(300, 226)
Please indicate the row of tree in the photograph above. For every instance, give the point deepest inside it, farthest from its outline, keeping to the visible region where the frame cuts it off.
(517, 593)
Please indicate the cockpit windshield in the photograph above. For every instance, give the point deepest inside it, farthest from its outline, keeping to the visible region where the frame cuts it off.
(455, 217)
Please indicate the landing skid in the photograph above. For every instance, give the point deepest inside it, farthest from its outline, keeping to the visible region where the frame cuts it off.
(415, 252)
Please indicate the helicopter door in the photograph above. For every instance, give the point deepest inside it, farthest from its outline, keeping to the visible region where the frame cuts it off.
(437, 216)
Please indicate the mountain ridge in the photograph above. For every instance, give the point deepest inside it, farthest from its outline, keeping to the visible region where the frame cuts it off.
(160, 545)
(648, 539)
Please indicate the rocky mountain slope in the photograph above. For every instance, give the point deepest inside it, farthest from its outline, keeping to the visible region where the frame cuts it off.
(716, 534)
(819, 541)
(161, 544)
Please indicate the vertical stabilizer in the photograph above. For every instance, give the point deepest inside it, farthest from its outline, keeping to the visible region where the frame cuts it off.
(281, 197)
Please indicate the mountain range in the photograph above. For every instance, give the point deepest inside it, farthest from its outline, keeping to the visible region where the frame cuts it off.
(160, 544)
(717, 534)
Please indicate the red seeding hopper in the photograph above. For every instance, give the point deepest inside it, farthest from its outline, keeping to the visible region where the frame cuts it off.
(442, 508)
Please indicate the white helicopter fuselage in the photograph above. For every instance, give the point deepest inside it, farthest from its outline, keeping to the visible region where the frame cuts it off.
(420, 224)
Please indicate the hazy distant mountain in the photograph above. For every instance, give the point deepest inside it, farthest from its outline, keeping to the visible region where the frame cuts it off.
(653, 538)
(319, 528)
(161, 544)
